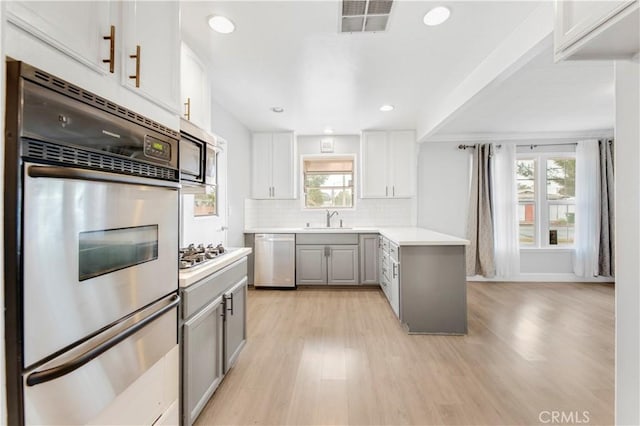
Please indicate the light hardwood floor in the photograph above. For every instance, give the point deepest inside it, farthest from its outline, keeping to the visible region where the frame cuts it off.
(327, 356)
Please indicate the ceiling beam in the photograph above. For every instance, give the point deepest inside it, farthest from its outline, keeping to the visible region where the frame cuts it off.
(527, 41)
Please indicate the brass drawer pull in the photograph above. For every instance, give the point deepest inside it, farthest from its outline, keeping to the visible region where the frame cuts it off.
(137, 58)
(187, 106)
(112, 49)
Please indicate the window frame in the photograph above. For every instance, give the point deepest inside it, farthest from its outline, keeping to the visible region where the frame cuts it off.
(541, 203)
(303, 198)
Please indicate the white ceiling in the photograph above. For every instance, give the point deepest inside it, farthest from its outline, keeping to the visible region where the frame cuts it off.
(291, 54)
(542, 97)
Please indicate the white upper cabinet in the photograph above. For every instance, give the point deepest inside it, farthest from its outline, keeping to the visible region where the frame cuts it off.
(403, 163)
(596, 29)
(261, 171)
(273, 171)
(103, 35)
(374, 165)
(74, 28)
(195, 91)
(388, 166)
(151, 50)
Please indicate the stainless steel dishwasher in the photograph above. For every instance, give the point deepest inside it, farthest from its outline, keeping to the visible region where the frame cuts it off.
(275, 260)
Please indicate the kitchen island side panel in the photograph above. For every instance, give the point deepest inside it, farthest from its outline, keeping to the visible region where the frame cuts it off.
(433, 289)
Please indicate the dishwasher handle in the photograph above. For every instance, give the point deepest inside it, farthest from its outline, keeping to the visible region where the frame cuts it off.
(276, 237)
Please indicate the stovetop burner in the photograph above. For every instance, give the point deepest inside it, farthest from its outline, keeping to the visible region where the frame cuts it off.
(196, 255)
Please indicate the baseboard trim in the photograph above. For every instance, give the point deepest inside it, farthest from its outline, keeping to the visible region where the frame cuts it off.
(556, 277)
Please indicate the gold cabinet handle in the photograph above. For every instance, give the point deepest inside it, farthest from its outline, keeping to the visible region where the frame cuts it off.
(137, 58)
(112, 49)
(187, 106)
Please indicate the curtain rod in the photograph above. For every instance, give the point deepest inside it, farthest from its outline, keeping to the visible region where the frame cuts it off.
(531, 146)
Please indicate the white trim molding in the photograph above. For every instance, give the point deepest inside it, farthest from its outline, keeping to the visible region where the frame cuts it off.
(493, 137)
(545, 278)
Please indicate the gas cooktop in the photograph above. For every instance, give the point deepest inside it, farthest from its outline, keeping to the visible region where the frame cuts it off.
(193, 255)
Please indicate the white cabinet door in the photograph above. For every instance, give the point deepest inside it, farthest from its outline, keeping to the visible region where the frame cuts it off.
(283, 166)
(374, 165)
(74, 28)
(402, 164)
(261, 177)
(155, 28)
(194, 89)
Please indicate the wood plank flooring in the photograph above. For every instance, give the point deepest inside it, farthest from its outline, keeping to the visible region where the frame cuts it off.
(338, 356)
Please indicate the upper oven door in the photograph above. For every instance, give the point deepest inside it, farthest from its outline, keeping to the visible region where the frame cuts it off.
(191, 159)
(97, 246)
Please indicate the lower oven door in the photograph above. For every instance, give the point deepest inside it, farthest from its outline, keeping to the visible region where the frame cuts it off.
(96, 247)
(128, 374)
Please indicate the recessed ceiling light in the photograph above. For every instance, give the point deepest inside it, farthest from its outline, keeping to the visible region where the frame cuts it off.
(328, 131)
(436, 16)
(386, 108)
(221, 24)
(277, 109)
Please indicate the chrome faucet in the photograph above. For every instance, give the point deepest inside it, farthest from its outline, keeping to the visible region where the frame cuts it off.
(329, 216)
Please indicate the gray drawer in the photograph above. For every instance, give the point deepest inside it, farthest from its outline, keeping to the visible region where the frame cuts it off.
(198, 295)
(333, 239)
(385, 245)
(394, 251)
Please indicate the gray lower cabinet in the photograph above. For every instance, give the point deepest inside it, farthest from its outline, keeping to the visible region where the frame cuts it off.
(369, 259)
(202, 358)
(235, 324)
(311, 265)
(323, 259)
(213, 334)
(433, 289)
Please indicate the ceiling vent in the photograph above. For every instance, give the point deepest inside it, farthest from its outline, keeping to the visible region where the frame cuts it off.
(365, 15)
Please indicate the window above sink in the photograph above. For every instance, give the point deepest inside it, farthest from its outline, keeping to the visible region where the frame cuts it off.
(328, 182)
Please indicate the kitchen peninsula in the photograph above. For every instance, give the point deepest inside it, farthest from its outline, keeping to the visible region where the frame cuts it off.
(421, 272)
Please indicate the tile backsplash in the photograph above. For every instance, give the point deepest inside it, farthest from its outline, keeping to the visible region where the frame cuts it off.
(368, 212)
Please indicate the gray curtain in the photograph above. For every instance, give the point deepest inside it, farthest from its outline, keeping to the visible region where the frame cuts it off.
(480, 253)
(606, 249)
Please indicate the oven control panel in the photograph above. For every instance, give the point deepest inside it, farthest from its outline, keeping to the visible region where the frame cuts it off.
(156, 148)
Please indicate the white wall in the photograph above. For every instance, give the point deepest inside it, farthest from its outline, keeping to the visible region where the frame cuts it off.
(443, 199)
(238, 149)
(367, 212)
(207, 229)
(443, 188)
(627, 159)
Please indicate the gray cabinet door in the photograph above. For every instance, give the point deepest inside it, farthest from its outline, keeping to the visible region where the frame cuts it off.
(369, 259)
(380, 261)
(342, 265)
(311, 264)
(235, 324)
(202, 354)
(393, 293)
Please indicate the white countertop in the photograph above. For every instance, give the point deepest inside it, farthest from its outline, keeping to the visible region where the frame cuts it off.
(314, 230)
(402, 236)
(186, 277)
(412, 236)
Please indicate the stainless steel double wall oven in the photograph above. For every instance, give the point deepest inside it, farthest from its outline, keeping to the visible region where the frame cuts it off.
(91, 243)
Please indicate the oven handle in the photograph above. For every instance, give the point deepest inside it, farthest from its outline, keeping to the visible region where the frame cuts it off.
(49, 374)
(94, 175)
